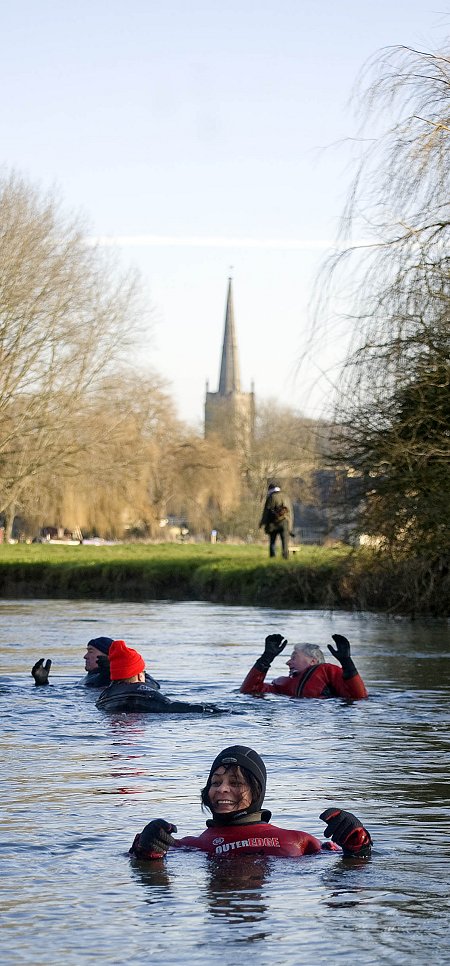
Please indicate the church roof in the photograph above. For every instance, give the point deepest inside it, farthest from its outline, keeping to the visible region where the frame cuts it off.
(230, 379)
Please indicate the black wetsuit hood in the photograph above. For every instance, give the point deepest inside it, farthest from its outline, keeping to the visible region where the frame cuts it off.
(242, 757)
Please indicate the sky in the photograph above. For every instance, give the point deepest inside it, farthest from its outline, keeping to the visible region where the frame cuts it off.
(202, 140)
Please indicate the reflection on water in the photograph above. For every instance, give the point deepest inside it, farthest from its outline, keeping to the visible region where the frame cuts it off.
(234, 890)
(77, 785)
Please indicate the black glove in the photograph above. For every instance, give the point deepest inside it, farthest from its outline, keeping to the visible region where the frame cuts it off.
(103, 669)
(274, 644)
(40, 671)
(155, 839)
(342, 654)
(347, 831)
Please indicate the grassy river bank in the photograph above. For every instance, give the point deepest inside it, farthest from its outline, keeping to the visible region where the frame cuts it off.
(331, 578)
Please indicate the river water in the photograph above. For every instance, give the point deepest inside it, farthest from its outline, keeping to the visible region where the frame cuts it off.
(78, 784)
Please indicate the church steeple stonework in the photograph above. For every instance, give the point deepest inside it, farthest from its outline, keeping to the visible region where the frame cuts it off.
(229, 379)
(230, 413)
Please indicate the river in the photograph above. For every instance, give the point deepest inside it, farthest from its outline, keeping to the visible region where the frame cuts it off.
(77, 785)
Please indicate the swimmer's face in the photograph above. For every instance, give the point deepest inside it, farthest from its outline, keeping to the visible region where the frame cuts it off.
(299, 661)
(90, 658)
(229, 791)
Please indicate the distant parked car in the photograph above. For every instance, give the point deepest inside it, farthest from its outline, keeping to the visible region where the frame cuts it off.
(50, 534)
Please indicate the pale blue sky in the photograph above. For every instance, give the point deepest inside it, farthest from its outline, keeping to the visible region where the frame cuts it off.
(192, 133)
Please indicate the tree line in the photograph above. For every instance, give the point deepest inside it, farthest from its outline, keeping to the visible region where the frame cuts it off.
(89, 438)
(392, 416)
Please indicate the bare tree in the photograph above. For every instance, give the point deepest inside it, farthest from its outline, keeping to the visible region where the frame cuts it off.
(393, 407)
(207, 484)
(118, 480)
(66, 319)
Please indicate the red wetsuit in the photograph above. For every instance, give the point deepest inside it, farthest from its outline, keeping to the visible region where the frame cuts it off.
(318, 681)
(260, 838)
(257, 838)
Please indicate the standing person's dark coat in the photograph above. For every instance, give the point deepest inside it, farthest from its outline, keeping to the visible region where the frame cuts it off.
(277, 519)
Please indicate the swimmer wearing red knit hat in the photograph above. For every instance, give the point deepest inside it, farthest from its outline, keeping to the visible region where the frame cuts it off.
(125, 664)
(129, 692)
(97, 665)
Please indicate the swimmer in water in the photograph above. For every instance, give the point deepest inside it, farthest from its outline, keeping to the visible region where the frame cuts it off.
(310, 676)
(96, 663)
(130, 692)
(234, 794)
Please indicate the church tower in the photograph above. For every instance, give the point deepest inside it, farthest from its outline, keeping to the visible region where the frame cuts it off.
(230, 413)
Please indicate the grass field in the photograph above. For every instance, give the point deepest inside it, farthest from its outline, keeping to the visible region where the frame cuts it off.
(232, 574)
(326, 577)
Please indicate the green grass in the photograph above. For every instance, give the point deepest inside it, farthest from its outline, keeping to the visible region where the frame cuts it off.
(232, 574)
(325, 577)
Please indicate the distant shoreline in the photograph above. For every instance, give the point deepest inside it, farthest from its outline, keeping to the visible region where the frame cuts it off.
(334, 578)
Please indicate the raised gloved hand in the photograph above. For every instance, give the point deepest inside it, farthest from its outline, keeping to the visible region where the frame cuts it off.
(342, 654)
(40, 671)
(154, 840)
(346, 830)
(274, 644)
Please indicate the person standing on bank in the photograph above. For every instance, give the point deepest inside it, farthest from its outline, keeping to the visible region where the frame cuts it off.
(277, 518)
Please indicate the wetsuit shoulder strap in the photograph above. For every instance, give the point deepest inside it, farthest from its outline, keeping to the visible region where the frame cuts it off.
(306, 678)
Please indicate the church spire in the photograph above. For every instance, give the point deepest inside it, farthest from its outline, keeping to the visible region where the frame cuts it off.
(230, 380)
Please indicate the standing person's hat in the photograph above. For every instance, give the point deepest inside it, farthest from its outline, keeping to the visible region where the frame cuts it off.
(102, 644)
(124, 662)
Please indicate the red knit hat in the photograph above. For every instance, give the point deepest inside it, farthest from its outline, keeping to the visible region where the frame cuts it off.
(124, 662)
